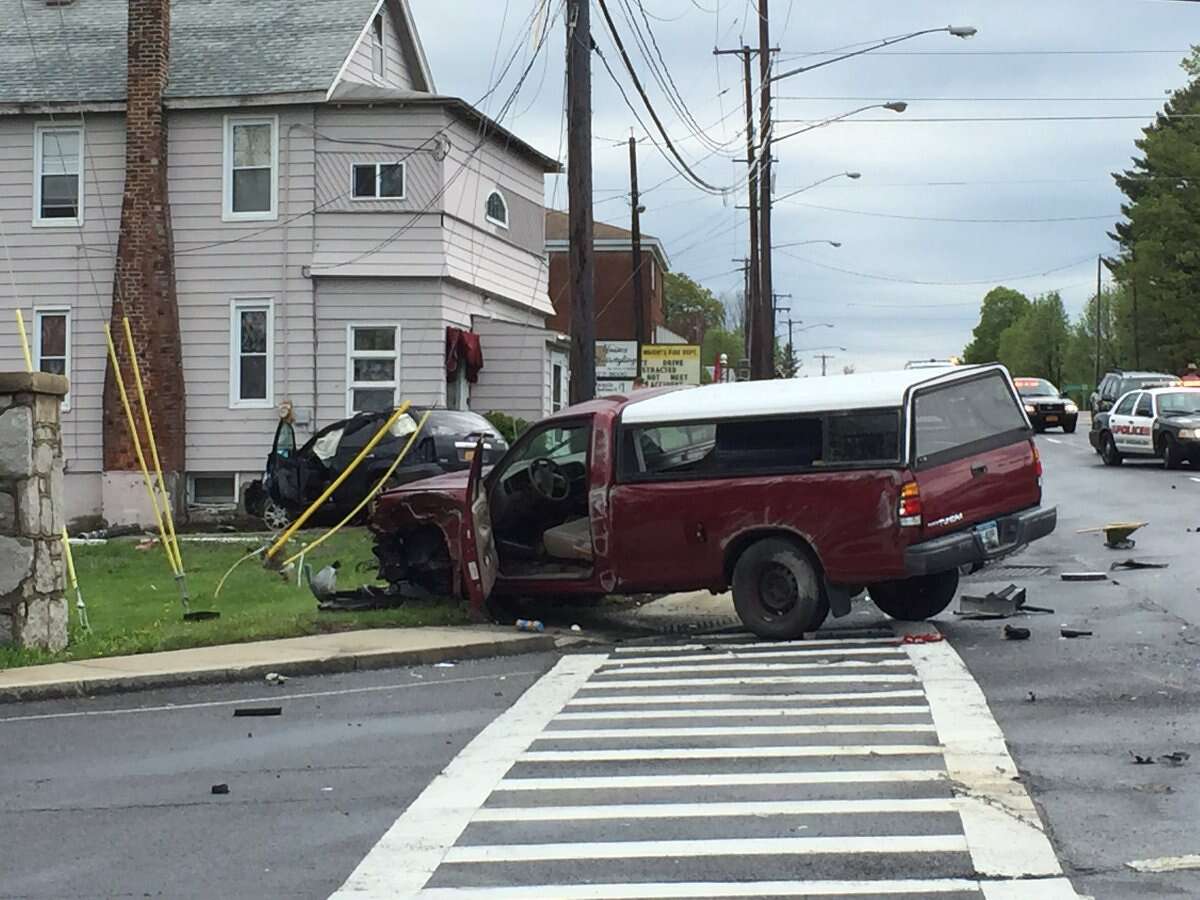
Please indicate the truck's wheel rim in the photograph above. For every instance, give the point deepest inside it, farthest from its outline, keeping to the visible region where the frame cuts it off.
(779, 590)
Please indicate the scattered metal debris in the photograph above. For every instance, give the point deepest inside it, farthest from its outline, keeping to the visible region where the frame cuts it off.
(1139, 760)
(220, 788)
(997, 605)
(1116, 534)
(925, 637)
(1084, 576)
(1014, 633)
(1136, 564)
(576, 628)
(1031, 697)
(1178, 758)
(242, 711)
(1074, 632)
(1166, 863)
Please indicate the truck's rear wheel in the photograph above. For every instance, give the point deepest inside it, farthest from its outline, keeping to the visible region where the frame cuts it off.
(916, 599)
(777, 590)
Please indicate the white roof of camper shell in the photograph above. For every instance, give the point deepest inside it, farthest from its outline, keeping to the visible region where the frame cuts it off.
(790, 396)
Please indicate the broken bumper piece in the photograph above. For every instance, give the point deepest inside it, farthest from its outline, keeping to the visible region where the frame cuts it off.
(967, 547)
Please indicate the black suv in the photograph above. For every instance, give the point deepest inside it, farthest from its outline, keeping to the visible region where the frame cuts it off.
(1117, 384)
(1045, 406)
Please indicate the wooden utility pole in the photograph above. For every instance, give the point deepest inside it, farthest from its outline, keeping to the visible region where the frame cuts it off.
(639, 292)
(766, 318)
(824, 358)
(579, 189)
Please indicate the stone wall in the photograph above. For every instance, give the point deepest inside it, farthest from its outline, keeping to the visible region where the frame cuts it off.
(33, 608)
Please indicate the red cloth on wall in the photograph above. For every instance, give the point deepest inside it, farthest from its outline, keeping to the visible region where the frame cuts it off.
(463, 348)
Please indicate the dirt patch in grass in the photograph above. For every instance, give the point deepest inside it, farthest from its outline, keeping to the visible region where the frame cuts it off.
(133, 602)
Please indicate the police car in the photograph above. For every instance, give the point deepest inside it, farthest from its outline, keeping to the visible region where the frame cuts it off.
(1159, 423)
(1045, 406)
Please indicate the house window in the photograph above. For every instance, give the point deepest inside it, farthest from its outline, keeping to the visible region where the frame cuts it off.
(377, 47)
(458, 389)
(372, 368)
(556, 387)
(58, 193)
(375, 181)
(497, 209)
(251, 354)
(213, 491)
(250, 173)
(52, 343)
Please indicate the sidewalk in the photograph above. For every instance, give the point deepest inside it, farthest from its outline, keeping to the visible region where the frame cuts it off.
(317, 654)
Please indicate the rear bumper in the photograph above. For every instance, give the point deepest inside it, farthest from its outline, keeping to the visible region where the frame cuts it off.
(966, 547)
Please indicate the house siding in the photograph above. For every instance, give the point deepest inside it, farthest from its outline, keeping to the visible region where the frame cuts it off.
(396, 72)
(516, 369)
(65, 266)
(265, 262)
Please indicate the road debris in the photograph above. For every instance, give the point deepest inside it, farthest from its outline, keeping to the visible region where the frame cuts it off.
(1139, 760)
(1166, 863)
(1136, 564)
(1074, 632)
(576, 628)
(275, 678)
(220, 789)
(529, 625)
(1002, 604)
(1031, 697)
(1116, 534)
(1084, 576)
(1014, 633)
(1178, 758)
(925, 637)
(443, 665)
(243, 711)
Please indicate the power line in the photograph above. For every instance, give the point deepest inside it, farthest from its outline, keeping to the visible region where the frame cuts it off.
(816, 53)
(973, 221)
(985, 99)
(927, 119)
(893, 278)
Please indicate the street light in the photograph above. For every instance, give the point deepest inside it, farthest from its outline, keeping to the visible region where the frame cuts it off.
(958, 31)
(896, 106)
(853, 176)
(802, 243)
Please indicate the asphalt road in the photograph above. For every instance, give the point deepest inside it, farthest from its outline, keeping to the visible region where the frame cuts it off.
(1132, 688)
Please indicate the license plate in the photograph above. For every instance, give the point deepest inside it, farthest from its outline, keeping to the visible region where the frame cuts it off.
(1051, 418)
(468, 455)
(989, 535)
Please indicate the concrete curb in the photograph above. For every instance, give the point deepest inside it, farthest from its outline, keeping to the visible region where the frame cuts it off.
(342, 662)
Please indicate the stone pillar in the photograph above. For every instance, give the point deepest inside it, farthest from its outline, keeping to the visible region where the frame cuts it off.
(33, 608)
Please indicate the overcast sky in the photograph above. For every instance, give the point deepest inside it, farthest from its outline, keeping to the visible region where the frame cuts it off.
(1124, 58)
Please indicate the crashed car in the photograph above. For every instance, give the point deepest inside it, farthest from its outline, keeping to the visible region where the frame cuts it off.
(798, 494)
(1045, 406)
(295, 478)
(1160, 423)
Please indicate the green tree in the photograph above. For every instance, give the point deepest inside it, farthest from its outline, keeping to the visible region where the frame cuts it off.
(1001, 308)
(1160, 237)
(690, 309)
(718, 341)
(1116, 344)
(1036, 344)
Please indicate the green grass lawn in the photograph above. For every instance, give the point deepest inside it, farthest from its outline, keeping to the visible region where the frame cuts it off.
(133, 602)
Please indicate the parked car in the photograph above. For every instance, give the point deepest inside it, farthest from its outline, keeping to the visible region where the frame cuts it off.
(293, 478)
(1118, 383)
(1162, 423)
(1046, 406)
(798, 494)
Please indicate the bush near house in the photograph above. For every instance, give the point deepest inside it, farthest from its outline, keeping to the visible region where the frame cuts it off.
(510, 427)
(134, 607)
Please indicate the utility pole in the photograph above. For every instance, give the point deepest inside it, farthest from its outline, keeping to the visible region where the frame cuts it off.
(776, 307)
(824, 358)
(1099, 319)
(766, 330)
(579, 188)
(639, 296)
(751, 293)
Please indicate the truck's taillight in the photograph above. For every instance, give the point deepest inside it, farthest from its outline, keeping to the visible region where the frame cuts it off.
(910, 504)
(1037, 463)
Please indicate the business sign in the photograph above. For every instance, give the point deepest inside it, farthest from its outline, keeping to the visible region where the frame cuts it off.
(613, 386)
(670, 364)
(616, 359)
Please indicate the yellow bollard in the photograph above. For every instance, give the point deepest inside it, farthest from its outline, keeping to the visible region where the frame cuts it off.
(365, 500)
(70, 559)
(24, 341)
(162, 485)
(137, 447)
(307, 514)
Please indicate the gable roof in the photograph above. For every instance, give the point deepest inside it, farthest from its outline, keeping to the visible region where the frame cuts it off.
(219, 48)
(605, 237)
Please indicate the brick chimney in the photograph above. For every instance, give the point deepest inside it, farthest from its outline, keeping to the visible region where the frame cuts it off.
(144, 284)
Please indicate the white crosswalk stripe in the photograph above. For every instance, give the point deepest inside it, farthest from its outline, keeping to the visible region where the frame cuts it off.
(728, 768)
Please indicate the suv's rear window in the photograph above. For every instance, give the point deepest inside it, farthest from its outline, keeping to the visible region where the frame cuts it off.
(963, 417)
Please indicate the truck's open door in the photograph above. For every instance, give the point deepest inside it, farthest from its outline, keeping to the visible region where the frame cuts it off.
(479, 560)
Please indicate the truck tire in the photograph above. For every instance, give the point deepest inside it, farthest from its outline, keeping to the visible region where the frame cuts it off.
(916, 599)
(1108, 450)
(777, 590)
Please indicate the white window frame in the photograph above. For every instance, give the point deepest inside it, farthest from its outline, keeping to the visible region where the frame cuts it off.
(378, 47)
(237, 306)
(38, 131)
(496, 192)
(237, 490)
(227, 213)
(356, 198)
(352, 354)
(38, 312)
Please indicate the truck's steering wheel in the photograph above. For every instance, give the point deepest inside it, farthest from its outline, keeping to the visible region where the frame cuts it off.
(548, 480)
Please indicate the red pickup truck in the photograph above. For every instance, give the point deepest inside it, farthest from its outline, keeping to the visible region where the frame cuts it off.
(798, 494)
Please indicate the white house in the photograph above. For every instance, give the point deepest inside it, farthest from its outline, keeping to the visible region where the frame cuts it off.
(332, 221)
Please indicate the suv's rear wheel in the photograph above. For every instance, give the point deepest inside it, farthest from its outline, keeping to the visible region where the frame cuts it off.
(275, 517)
(777, 590)
(1108, 450)
(916, 599)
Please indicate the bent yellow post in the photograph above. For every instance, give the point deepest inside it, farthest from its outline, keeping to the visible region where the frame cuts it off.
(162, 484)
(137, 448)
(70, 559)
(365, 500)
(307, 514)
(24, 341)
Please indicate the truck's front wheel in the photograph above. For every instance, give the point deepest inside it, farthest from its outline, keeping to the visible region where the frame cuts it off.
(916, 599)
(777, 590)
